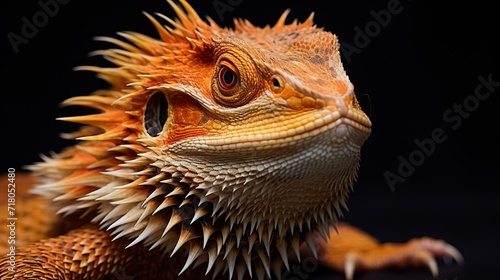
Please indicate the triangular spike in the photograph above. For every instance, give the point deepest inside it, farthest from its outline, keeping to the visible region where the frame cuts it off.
(124, 230)
(149, 231)
(212, 257)
(310, 20)
(238, 232)
(330, 211)
(322, 217)
(198, 213)
(343, 202)
(117, 211)
(253, 223)
(240, 270)
(337, 207)
(174, 220)
(176, 191)
(311, 244)
(225, 233)
(296, 246)
(163, 240)
(323, 233)
(267, 243)
(300, 222)
(129, 217)
(281, 245)
(251, 241)
(155, 193)
(281, 21)
(247, 258)
(259, 270)
(228, 247)
(291, 225)
(308, 222)
(219, 266)
(118, 43)
(194, 252)
(265, 261)
(178, 26)
(164, 34)
(167, 202)
(231, 262)
(281, 225)
(184, 237)
(219, 243)
(207, 232)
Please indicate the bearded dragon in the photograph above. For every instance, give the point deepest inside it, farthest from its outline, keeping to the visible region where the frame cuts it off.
(215, 152)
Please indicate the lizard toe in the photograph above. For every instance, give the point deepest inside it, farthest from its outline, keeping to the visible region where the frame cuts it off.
(352, 251)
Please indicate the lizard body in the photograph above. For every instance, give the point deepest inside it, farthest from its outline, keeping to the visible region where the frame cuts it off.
(214, 151)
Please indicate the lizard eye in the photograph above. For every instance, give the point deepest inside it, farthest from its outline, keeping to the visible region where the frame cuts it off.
(156, 114)
(235, 81)
(228, 79)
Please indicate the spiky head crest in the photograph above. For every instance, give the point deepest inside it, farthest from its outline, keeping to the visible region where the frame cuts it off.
(208, 142)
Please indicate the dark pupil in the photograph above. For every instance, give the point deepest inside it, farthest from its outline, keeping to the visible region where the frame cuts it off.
(228, 77)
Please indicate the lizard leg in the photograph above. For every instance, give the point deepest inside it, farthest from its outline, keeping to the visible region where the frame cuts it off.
(351, 249)
(85, 253)
(91, 253)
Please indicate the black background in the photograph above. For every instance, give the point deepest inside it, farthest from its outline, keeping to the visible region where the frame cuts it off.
(426, 59)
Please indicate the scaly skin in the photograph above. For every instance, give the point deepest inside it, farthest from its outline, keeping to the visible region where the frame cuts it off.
(215, 151)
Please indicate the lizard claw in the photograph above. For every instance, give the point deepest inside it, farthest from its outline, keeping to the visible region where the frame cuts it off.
(350, 250)
(432, 265)
(420, 252)
(454, 254)
(447, 252)
(349, 266)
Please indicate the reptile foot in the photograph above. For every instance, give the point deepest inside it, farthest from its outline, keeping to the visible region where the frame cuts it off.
(419, 252)
(351, 250)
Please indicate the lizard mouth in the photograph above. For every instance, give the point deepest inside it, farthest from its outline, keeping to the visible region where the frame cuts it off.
(330, 120)
(341, 122)
(337, 115)
(339, 118)
(350, 123)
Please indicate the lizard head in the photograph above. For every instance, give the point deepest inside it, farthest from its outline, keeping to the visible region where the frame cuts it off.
(234, 145)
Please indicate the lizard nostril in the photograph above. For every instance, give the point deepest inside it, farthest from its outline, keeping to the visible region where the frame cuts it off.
(156, 113)
(277, 84)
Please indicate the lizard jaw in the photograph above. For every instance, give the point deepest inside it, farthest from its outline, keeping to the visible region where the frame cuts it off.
(265, 132)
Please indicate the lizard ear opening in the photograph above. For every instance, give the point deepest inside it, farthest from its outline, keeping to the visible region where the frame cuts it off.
(156, 113)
